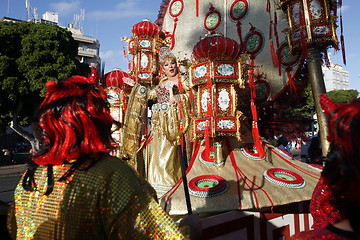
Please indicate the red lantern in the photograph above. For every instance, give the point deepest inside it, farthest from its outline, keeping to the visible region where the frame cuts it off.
(145, 29)
(117, 93)
(115, 78)
(312, 23)
(216, 76)
(144, 46)
(216, 47)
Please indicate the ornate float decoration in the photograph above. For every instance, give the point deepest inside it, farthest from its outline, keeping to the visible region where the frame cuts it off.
(285, 178)
(216, 74)
(311, 23)
(117, 92)
(144, 45)
(312, 30)
(207, 186)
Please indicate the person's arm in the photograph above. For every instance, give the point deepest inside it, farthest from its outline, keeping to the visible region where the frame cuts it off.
(130, 210)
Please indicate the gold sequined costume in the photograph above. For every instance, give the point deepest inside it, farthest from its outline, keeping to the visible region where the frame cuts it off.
(168, 123)
(106, 201)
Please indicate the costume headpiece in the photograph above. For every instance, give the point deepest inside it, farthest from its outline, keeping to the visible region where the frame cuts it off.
(165, 53)
(75, 121)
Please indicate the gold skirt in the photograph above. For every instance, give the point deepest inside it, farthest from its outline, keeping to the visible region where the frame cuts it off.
(163, 166)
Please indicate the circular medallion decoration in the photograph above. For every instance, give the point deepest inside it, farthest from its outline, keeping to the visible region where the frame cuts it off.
(263, 90)
(176, 8)
(254, 42)
(287, 59)
(206, 186)
(142, 90)
(285, 178)
(250, 152)
(164, 106)
(212, 20)
(239, 9)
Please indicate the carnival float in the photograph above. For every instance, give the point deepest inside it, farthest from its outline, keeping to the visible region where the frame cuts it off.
(238, 56)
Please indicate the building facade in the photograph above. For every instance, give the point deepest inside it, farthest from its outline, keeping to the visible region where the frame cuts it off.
(335, 77)
(88, 51)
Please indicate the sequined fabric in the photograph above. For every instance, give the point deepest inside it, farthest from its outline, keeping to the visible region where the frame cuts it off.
(321, 210)
(106, 201)
(160, 156)
(163, 94)
(163, 168)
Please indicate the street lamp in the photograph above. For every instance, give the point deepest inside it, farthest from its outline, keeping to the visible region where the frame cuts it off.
(312, 29)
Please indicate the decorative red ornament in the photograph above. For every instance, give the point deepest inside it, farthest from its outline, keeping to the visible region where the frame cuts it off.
(93, 75)
(216, 47)
(115, 78)
(145, 28)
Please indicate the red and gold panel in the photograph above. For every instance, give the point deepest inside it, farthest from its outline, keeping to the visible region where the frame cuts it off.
(145, 43)
(224, 99)
(204, 101)
(225, 124)
(200, 125)
(322, 30)
(226, 71)
(200, 73)
(317, 11)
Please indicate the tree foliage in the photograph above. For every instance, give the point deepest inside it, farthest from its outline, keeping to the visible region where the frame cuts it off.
(339, 96)
(343, 96)
(30, 55)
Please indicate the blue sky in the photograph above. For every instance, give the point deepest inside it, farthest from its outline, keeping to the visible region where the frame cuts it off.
(109, 20)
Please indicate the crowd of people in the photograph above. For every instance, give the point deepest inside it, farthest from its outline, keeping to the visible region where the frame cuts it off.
(74, 188)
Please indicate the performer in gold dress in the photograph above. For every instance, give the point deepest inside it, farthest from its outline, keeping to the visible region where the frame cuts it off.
(169, 122)
(74, 189)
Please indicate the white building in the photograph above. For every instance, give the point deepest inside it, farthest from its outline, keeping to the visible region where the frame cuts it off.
(335, 77)
(88, 51)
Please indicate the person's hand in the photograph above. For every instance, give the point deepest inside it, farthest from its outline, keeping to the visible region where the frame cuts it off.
(129, 81)
(195, 224)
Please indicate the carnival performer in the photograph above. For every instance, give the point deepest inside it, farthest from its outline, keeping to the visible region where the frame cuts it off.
(335, 204)
(169, 123)
(74, 189)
